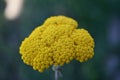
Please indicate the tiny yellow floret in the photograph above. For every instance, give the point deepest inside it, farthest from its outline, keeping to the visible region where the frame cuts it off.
(56, 42)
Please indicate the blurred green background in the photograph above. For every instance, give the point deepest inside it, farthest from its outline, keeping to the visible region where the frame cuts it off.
(100, 17)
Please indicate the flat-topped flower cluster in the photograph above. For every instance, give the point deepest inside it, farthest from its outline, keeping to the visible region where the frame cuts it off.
(56, 42)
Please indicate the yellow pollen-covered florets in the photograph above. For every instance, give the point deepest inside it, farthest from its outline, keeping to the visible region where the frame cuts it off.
(56, 42)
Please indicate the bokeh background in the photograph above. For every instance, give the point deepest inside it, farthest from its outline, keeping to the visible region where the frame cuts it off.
(100, 17)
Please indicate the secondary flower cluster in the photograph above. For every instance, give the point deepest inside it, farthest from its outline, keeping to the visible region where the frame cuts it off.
(56, 42)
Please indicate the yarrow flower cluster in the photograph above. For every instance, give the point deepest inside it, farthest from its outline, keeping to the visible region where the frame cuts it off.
(56, 42)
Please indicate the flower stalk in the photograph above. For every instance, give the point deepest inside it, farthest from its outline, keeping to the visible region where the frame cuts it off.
(57, 70)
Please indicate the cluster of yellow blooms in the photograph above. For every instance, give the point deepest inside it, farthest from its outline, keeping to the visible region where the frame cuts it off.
(56, 42)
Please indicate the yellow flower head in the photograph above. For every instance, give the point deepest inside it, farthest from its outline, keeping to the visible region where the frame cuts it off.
(56, 42)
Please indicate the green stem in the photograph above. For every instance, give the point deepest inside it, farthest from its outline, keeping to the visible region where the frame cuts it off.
(57, 70)
(56, 75)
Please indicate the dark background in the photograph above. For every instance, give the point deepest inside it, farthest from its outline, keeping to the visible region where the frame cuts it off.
(100, 17)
